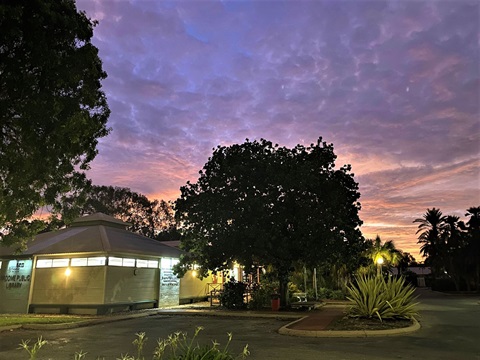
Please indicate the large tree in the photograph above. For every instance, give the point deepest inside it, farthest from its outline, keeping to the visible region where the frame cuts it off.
(52, 109)
(433, 246)
(260, 204)
(473, 244)
(151, 218)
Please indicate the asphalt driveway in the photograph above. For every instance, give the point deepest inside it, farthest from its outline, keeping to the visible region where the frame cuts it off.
(450, 330)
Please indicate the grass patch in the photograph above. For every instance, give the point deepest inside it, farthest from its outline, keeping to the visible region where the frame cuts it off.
(348, 323)
(20, 319)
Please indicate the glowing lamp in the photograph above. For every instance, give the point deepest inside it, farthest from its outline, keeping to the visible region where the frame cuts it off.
(68, 272)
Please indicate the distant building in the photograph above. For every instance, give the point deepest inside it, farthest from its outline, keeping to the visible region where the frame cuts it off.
(93, 266)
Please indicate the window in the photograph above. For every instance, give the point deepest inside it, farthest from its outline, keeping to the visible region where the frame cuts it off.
(60, 262)
(79, 262)
(114, 261)
(168, 263)
(153, 264)
(129, 262)
(96, 261)
(142, 263)
(44, 263)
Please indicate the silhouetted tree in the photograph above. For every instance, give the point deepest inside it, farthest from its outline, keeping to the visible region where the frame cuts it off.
(261, 204)
(473, 244)
(52, 109)
(154, 219)
(433, 245)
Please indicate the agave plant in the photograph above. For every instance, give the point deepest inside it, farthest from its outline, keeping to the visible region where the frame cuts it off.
(372, 296)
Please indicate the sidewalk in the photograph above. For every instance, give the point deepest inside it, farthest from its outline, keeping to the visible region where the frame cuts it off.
(317, 320)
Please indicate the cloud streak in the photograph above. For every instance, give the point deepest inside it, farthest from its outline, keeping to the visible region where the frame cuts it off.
(393, 85)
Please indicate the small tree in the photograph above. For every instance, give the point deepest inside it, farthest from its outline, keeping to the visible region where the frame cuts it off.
(261, 204)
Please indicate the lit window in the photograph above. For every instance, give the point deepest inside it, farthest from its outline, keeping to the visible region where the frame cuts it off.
(60, 262)
(0, 264)
(96, 261)
(153, 264)
(79, 262)
(129, 262)
(142, 263)
(114, 261)
(166, 263)
(44, 263)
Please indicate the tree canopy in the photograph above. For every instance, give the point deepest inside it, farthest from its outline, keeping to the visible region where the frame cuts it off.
(451, 246)
(260, 204)
(151, 218)
(52, 108)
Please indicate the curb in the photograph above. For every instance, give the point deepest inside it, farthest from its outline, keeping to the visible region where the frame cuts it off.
(347, 333)
(168, 312)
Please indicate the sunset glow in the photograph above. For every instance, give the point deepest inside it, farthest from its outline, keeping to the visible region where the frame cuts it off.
(395, 86)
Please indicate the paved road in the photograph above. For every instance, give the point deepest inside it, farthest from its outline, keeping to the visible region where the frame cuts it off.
(450, 330)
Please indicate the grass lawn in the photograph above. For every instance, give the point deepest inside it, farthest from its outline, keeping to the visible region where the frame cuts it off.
(19, 319)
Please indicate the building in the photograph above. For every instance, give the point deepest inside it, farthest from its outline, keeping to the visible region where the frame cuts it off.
(95, 266)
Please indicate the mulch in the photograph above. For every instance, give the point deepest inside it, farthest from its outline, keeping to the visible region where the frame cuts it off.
(318, 319)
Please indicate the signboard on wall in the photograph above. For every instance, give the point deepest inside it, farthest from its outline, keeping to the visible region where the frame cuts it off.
(169, 288)
(15, 279)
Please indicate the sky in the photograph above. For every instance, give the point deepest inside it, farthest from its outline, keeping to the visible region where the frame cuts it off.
(395, 86)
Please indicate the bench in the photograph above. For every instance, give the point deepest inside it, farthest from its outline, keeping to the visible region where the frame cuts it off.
(101, 309)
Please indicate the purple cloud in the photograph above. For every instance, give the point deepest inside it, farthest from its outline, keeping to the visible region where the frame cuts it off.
(395, 86)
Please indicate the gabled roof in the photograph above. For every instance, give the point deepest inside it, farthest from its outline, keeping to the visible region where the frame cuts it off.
(95, 233)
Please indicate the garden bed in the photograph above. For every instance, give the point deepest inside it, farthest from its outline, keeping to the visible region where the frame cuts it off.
(347, 323)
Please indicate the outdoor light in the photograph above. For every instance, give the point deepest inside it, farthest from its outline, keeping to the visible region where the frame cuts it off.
(68, 271)
(194, 273)
(379, 265)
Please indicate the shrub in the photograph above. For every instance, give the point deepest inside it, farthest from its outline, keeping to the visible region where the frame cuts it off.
(372, 296)
(232, 296)
(261, 296)
(326, 293)
(337, 295)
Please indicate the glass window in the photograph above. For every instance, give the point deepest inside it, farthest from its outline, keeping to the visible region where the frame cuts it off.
(60, 262)
(79, 262)
(114, 261)
(153, 264)
(129, 262)
(142, 263)
(44, 263)
(96, 261)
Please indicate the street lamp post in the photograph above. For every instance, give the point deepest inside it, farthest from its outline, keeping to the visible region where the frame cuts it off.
(379, 265)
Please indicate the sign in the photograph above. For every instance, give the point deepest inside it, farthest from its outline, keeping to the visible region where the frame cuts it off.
(15, 279)
(169, 288)
(18, 274)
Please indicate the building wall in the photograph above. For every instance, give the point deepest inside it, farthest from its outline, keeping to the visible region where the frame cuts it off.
(83, 286)
(126, 284)
(15, 280)
(191, 287)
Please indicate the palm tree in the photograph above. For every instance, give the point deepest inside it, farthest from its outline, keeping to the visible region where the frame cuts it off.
(430, 228)
(473, 246)
(386, 252)
(453, 238)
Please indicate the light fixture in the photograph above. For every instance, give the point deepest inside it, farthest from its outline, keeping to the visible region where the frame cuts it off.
(68, 271)
(194, 273)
